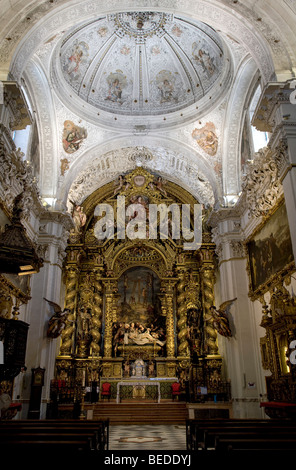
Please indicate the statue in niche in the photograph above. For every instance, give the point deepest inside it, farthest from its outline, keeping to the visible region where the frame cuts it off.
(139, 320)
(83, 323)
(151, 369)
(127, 368)
(194, 322)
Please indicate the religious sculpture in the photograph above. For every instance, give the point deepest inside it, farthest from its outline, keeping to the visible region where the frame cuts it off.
(139, 299)
(220, 319)
(136, 333)
(57, 321)
(79, 217)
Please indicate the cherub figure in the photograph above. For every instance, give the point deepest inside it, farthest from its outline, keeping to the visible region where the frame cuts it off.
(120, 183)
(159, 185)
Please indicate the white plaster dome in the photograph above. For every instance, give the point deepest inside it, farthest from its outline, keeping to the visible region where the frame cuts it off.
(142, 64)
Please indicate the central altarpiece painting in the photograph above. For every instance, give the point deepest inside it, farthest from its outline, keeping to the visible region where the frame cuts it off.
(138, 307)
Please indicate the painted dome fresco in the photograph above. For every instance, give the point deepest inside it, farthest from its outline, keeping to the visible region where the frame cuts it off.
(142, 63)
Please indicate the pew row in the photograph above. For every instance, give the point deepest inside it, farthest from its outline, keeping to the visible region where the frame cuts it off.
(46, 434)
(233, 434)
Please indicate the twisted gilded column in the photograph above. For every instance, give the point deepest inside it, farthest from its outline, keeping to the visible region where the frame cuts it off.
(70, 303)
(96, 319)
(168, 309)
(110, 296)
(183, 347)
(170, 326)
(208, 281)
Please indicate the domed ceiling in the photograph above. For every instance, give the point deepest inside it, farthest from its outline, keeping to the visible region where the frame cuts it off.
(142, 63)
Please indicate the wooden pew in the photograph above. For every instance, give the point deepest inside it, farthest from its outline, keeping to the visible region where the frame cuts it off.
(275, 444)
(101, 427)
(10, 446)
(197, 429)
(91, 435)
(209, 438)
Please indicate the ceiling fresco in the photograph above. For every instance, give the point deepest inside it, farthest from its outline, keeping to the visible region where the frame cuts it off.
(141, 63)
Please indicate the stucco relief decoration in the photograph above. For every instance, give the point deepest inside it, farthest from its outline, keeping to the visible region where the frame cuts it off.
(112, 164)
(177, 31)
(102, 31)
(206, 138)
(65, 165)
(261, 183)
(73, 136)
(125, 50)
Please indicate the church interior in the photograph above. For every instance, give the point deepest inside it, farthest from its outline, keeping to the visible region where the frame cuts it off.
(147, 213)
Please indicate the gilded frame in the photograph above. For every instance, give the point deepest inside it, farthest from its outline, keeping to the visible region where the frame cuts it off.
(265, 353)
(269, 261)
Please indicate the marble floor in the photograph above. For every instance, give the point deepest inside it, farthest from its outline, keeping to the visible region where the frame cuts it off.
(147, 437)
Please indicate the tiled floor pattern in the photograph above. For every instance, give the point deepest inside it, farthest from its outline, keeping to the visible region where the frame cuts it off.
(147, 437)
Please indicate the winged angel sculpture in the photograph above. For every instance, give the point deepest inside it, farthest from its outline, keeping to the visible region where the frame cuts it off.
(57, 321)
(221, 319)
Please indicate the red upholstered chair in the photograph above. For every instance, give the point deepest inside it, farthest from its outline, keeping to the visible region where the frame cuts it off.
(176, 390)
(106, 390)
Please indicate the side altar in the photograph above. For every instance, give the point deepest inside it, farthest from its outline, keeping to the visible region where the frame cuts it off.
(139, 309)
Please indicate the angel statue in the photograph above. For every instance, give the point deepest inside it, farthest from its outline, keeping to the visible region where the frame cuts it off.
(57, 322)
(220, 319)
(78, 216)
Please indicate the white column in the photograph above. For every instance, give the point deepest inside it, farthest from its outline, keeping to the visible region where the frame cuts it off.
(240, 353)
(289, 179)
(41, 350)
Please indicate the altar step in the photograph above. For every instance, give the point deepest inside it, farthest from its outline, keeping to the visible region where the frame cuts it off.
(141, 413)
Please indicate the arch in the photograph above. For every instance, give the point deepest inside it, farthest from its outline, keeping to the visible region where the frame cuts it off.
(46, 126)
(247, 73)
(127, 246)
(167, 166)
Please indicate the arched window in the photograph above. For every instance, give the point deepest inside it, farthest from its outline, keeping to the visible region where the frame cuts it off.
(260, 139)
(21, 139)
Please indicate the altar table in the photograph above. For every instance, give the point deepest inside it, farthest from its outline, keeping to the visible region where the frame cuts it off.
(137, 384)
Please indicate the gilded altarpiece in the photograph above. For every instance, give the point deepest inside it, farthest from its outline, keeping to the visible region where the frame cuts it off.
(138, 301)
